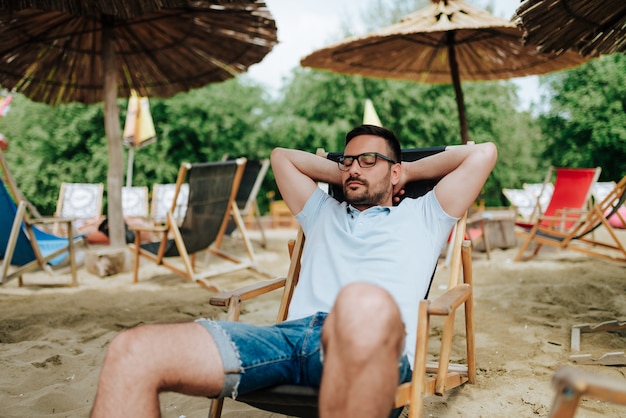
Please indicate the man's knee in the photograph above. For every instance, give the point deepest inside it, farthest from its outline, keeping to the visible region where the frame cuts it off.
(365, 314)
(129, 347)
(368, 300)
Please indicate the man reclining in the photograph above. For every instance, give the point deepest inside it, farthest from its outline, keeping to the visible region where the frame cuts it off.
(351, 326)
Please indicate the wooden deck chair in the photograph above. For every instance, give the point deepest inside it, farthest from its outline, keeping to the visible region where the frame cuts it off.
(249, 188)
(429, 378)
(572, 384)
(80, 201)
(135, 202)
(579, 232)
(572, 191)
(210, 205)
(27, 247)
(162, 198)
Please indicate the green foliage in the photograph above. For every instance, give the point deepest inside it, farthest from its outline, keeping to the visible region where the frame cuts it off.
(586, 123)
(49, 146)
(67, 143)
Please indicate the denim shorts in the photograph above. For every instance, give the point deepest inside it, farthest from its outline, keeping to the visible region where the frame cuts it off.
(256, 357)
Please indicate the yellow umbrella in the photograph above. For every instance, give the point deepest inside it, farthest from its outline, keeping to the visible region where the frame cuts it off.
(370, 117)
(138, 129)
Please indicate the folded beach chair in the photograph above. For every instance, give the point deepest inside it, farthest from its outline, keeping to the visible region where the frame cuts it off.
(573, 384)
(80, 201)
(578, 231)
(429, 377)
(210, 205)
(23, 244)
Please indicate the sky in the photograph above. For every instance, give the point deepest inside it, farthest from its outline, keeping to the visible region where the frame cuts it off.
(305, 26)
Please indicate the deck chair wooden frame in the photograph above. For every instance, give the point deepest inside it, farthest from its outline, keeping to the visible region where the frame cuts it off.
(429, 378)
(572, 384)
(215, 189)
(580, 235)
(40, 249)
(248, 192)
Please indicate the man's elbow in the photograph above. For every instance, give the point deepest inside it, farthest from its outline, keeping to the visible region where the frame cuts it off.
(489, 154)
(278, 155)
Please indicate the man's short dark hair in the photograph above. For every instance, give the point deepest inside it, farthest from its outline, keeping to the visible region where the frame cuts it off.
(392, 142)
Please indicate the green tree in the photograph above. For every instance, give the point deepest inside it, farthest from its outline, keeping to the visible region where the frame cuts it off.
(586, 123)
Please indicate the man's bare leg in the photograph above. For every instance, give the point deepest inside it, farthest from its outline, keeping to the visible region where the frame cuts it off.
(362, 338)
(143, 361)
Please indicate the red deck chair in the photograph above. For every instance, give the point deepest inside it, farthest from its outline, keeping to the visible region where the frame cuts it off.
(572, 190)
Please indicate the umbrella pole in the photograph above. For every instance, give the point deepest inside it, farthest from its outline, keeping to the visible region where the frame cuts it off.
(458, 91)
(115, 174)
(129, 168)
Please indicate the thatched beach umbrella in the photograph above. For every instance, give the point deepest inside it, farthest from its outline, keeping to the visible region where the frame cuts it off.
(93, 51)
(449, 41)
(591, 27)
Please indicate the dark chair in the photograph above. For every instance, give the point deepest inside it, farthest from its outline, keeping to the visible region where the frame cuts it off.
(429, 378)
(210, 205)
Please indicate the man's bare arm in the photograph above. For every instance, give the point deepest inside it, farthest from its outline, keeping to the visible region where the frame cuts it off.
(463, 170)
(297, 173)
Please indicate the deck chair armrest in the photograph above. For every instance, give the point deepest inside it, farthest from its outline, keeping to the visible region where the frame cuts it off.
(143, 228)
(450, 300)
(571, 211)
(561, 218)
(478, 217)
(248, 292)
(50, 220)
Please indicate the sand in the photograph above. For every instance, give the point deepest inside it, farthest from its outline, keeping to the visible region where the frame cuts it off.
(52, 341)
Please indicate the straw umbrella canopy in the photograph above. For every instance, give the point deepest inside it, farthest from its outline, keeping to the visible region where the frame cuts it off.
(591, 27)
(93, 51)
(448, 41)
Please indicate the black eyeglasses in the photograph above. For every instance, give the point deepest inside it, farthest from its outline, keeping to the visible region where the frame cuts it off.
(365, 160)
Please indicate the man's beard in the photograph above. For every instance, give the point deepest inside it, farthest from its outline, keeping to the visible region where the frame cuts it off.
(365, 196)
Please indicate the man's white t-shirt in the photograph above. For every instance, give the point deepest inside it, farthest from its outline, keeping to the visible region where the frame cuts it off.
(394, 247)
